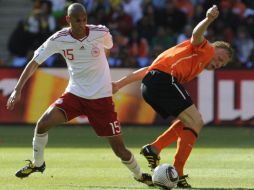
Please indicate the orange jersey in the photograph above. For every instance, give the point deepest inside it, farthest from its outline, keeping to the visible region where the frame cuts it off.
(184, 61)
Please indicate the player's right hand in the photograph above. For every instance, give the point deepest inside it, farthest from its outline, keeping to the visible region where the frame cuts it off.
(13, 99)
(212, 13)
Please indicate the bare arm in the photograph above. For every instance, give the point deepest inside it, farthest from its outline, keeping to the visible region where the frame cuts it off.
(26, 74)
(198, 32)
(107, 52)
(134, 76)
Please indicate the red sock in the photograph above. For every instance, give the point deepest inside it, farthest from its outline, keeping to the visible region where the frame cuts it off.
(184, 146)
(169, 136)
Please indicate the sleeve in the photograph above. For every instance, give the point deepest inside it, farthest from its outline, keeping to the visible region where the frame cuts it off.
(108, 42)
(47, 49)
(201, 47)
(205, 50)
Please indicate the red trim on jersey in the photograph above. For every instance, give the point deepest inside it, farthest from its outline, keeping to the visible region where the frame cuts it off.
(99, 29)
(63, 32)
(59, 35)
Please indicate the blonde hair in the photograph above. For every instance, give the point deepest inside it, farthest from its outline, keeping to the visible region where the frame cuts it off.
(226, 46)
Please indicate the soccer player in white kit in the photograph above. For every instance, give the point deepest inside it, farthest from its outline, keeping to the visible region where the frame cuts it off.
(89, 92)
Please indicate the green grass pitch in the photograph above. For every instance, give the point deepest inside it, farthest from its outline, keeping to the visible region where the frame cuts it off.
(76, 159)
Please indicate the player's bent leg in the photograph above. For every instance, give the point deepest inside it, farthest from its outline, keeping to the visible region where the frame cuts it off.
(52, 117)
(193, 123)
(119, 148)
(129, 160)
(191, 118)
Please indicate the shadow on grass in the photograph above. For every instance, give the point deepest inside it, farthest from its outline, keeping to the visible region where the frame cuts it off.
(125, 187)
(104, 187)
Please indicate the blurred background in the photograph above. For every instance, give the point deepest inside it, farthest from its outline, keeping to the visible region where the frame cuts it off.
(141, 29)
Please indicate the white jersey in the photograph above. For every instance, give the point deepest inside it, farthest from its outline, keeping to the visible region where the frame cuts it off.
(86, 60)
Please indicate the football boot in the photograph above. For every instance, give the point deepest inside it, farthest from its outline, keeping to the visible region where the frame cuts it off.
(182, 182)
(29, 169)
(146, 179)
(152, 158)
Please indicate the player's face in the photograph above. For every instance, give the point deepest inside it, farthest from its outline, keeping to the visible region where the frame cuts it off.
(220, 59)
(77, 22)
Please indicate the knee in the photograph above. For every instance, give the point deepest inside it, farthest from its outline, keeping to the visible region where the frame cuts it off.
(42, 126)
(199, 122)
(196, 123)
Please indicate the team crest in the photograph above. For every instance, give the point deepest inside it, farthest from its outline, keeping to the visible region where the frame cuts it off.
(95, 52)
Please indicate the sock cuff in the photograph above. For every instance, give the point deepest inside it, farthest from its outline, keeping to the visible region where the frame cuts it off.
(128, 161)
(191, 130)
(42, 135)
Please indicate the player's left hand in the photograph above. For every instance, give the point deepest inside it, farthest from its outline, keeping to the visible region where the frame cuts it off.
(212, 13)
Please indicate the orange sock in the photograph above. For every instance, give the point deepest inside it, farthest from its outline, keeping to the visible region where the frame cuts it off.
(184, 146)
(169, 136)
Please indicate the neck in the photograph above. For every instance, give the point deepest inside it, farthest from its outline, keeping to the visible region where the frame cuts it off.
(78, 34)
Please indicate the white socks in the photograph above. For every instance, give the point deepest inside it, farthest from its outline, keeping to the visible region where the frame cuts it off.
(133, 166)
(39, 143)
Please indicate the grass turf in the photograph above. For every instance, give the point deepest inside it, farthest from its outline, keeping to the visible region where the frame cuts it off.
(77, 159)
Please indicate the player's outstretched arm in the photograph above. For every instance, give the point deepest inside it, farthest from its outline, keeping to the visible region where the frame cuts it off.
(134, 76)
(198, 32)
(16, 93)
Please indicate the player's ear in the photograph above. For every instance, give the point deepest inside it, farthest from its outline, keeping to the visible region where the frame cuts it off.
(68, 19)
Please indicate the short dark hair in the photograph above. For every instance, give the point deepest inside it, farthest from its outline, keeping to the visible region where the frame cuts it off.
(75, 8)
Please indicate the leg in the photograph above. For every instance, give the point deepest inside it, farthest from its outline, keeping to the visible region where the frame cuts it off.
(193, 123)
(173, 99)
(168, 137)
(191, 118)
(50, 118)
(105, 123)
(128, 159)
(151, 151)
(120, 150)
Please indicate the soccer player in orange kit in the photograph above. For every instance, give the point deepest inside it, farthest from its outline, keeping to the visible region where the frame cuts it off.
(162, 89)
